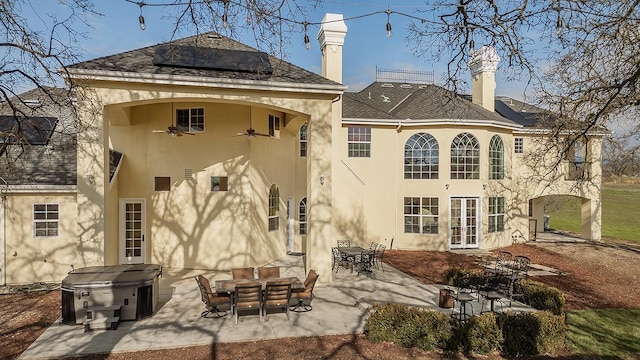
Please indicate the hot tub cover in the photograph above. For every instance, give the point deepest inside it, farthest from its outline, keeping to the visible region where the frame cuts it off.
(111, 276)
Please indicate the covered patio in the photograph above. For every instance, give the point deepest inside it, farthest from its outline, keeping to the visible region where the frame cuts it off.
(340, 308)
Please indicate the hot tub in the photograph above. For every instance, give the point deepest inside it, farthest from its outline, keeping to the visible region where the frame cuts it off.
(134, 287)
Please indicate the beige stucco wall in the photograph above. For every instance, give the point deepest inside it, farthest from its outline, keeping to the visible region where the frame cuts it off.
(47, 259)
(190, 226)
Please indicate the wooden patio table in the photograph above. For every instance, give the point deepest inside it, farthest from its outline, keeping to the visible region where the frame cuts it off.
(229, 286)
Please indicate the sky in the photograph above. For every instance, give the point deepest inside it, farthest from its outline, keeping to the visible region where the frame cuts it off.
(366, 45)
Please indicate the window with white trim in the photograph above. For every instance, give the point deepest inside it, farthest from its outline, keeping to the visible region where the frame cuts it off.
(302, 216)
(274, 208)
(46, 220)
(303, 140)
(421, 215)
(496, 214)
(359, 141)
(496, 158)
(518, 145)
(421, 157)
(190, 120)
(465, 157)
(274, 126)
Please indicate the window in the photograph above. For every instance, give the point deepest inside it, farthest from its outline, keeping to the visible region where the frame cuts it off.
(496, 158)
(518, 145)
(303, 140)
(274, 208)
(190, 120)
(421, 157)
(219, 183)
(496, 214)
(420, 215)
(274, 126)
(359, 141)
(162, 183)
(302, 216)
(45, 220)
(465, 157)
(576, 157)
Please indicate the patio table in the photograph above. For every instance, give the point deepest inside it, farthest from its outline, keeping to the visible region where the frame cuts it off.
(229, 286)
(352, 252)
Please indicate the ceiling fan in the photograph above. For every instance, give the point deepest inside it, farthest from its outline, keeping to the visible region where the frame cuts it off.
(250, 133)
(172, 129)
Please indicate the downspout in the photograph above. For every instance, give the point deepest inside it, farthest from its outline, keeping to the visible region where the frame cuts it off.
(395, 223)
(3, 231)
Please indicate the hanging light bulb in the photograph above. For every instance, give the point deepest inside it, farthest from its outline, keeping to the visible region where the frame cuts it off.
(307, 43)
(471, 44)
(225, 24)
(389, 32)
(559, 26)
(143, 26)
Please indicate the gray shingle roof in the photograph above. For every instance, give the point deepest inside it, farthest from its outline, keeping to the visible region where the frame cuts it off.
(51, 161)
(414, 102)
(141, 61)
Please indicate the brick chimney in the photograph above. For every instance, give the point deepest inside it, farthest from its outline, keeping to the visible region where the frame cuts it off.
(483, 64)
(331, 38)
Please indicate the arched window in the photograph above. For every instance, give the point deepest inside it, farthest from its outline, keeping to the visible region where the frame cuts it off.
(421, 157)
(496, 158)
(303, 140)
(465, 157)
(302, 216)
(274, 208)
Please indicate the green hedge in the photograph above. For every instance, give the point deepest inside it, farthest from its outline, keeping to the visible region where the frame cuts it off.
(514, 333)
(409, 327)
(541, 296)
(532, 333)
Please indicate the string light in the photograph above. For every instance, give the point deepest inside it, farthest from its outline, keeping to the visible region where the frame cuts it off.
(143, 26)
(389, 32)
(307, 43)
(225, 24)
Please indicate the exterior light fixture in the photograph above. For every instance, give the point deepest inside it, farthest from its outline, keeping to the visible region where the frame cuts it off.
(446, 186)
(322, 178)
(389, 32)
(90, 179)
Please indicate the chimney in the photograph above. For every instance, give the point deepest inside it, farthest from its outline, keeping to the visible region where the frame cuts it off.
(483, 64)
(331, 38)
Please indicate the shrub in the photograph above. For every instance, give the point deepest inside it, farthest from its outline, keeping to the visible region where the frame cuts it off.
(532, 333)
(482, 334)
(540, 296)
(464, 278)
(408, 326)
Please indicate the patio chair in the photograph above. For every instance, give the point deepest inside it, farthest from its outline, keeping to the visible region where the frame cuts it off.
(212, 300)
(265, 272)
(365, 262)
(344, 243)
(520, 271)
(373, 246)
(304, 296)
(378, 255)
(338, 260)
(247, 296)
(243, 273)
(464, 295)
(277, 296)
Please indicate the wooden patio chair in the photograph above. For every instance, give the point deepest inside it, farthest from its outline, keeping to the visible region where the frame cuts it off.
(247, 296)
(266, 272)
(212, 300)
(304, 296)
(277, 296)
(243, 273)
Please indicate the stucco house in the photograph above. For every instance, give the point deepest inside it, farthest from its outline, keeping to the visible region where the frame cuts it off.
(204, 153)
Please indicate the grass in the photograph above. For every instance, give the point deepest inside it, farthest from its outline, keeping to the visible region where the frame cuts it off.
(620, 212)
(605, 333)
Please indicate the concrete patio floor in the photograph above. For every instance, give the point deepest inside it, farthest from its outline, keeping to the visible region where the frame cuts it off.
(340, 308)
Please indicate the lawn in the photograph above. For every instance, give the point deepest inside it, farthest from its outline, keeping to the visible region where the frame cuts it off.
(620, 212)
(607, 333)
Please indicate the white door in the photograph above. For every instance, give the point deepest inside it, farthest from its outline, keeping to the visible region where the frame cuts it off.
(464, 228)
(132, 231)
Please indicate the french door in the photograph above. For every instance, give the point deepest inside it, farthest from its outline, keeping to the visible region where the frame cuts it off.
(464, 223)
(132, 231)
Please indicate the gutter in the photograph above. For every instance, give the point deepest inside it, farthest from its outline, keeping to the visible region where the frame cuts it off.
(3, 232)
(201, 81)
